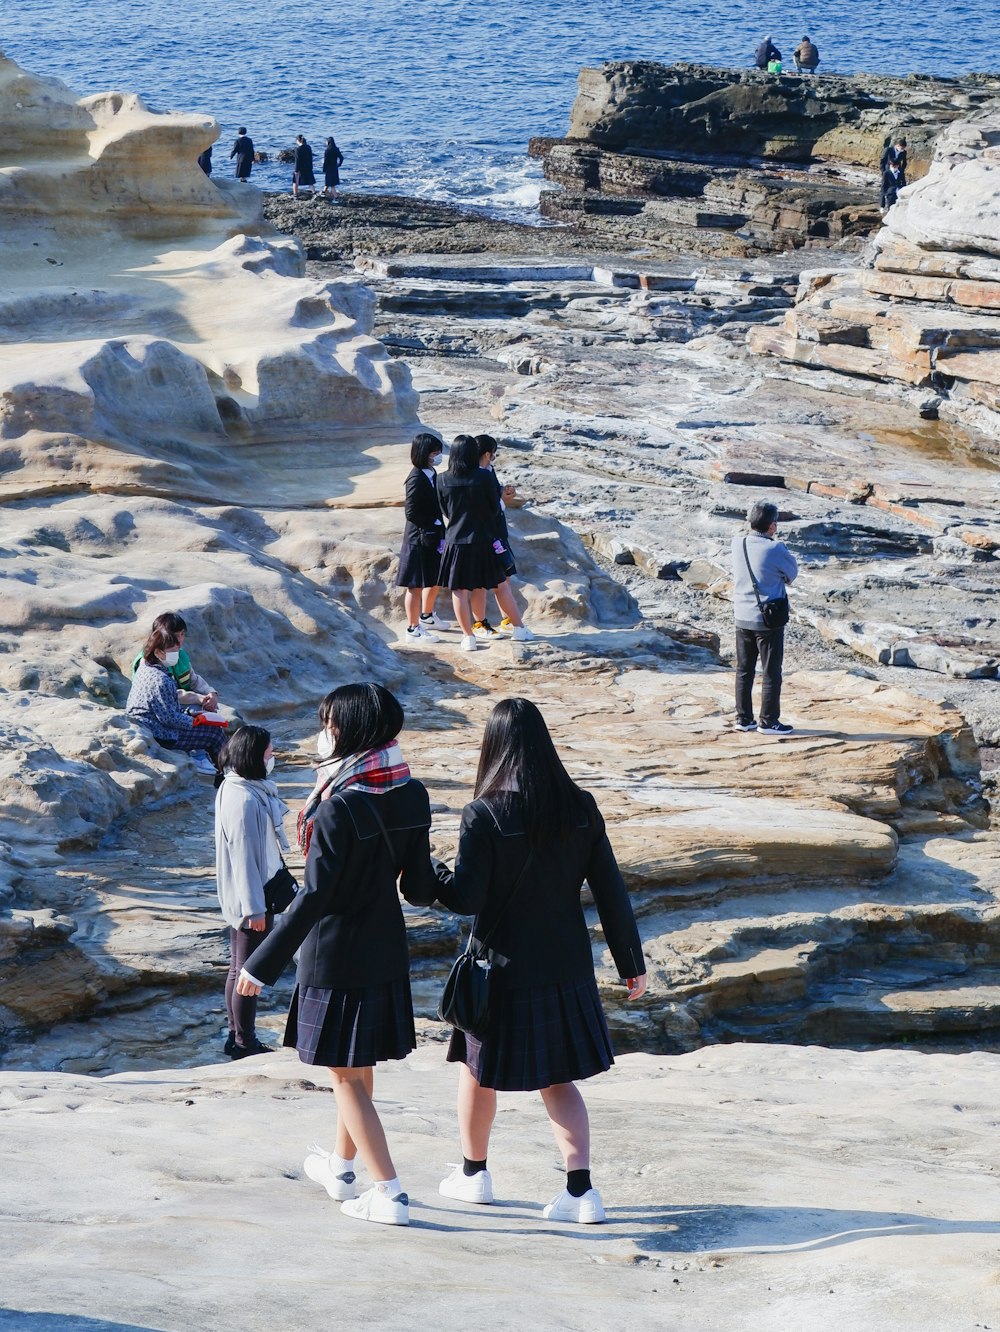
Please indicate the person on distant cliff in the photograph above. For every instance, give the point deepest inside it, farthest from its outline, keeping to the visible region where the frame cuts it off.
(806, 57)
(243, 152)
(333, 160)
(249, 841)
(762, 569)
(765, 53)
(302, 175)
(895, 151)
(423, 540)
(152, 701)
(893, 181)
(205, 160)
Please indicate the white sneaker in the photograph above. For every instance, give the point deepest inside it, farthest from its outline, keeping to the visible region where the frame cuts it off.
(204, 764)
(483, 629)
(433, 621)
(477, 1188)
(585, 1211)
(417, 631)
(520, 634)
(317, 1167)
(470, 643)
(374, 1205)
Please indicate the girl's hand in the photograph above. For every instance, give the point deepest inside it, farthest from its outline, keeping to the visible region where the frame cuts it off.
(509, 492)
(246, 987)
(257, 923)
(636, 987)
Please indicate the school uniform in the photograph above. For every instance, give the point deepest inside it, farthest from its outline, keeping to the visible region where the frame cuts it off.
(548, 1026)
(471, 512)
(419, 561)
(352, 1005)
(507, 558)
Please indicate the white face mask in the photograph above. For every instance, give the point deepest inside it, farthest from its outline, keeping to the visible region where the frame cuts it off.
(171, 658)
(436, 460)
(269, 765)
(324, 745)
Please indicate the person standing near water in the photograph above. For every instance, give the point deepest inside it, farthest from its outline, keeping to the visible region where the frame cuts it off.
(303, 172)
(333, 160)
(243, 152)
(527, 843)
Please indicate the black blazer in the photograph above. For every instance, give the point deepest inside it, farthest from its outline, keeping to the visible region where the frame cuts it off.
(543, 933)
(347, 919)
(470, 508)
(423, 512)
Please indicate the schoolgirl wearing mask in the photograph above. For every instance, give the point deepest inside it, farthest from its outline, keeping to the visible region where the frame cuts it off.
(249, 841)
(423, 540)
(153, 703)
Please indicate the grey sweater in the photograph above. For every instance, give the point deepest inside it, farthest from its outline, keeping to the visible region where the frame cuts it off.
(774, 566)
(249, 839)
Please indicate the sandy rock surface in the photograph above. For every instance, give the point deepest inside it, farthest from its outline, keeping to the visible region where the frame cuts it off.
(747, 1187)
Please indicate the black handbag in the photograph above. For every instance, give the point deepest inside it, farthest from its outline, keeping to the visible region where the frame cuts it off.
(280, 890)
(774, 611)
(467, 998)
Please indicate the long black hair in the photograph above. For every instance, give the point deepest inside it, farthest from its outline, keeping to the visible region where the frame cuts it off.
(364, 716)
(463, 457)
(518, 757)
(244, 753)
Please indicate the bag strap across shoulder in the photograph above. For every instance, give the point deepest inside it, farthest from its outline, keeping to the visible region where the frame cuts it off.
(513, 893)
(381, 825)
(756, 589)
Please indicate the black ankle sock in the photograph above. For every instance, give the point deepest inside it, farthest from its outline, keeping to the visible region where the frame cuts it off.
(472, 1167)
(577, 1182)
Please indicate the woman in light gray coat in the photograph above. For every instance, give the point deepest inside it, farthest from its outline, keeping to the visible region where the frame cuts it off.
(249, 841)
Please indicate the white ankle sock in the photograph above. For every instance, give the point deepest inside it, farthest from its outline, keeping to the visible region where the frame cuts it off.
(340, 1164)
(389, 1186)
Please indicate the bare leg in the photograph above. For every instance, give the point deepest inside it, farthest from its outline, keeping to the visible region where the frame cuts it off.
(504, 594)
(360, 1122)
(477, 602)
(346, 1146)
(430, 595)
(412, 603)
(570, 1124)
(460, 603)
(477, 1108)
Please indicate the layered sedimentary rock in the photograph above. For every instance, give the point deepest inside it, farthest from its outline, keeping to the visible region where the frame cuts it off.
(924, 312)
(751, 161)
(153, 331)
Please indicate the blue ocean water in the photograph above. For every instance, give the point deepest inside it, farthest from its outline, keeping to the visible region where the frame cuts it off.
(438, 98)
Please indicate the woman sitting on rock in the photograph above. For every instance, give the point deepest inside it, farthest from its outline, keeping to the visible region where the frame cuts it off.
(152, 701)
(352, 1006)
(423, 539)
(527, 843)
(474, 537)
(249, 841)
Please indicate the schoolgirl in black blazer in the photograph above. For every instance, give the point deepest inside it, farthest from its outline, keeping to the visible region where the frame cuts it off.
(423, 535)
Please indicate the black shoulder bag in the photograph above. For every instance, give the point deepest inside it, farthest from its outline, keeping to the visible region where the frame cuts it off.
(774, 611)
(468, 994)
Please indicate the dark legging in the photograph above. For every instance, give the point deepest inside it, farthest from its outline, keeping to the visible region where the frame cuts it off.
(241, 1009)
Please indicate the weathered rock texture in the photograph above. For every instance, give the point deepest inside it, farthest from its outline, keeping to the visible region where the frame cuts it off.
(153, 332)
(923, 313)
(739, 161)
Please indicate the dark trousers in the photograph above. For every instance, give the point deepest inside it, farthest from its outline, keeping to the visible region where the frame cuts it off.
(241, 1009)
(769, 646)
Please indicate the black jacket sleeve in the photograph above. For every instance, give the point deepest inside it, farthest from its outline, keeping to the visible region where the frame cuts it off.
(614, 906)
(463, 890)
(417, 880)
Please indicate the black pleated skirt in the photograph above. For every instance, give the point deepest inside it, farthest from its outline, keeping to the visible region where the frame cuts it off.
(466, 567)
(419, 566)
(540, 1036)
(351, 1028)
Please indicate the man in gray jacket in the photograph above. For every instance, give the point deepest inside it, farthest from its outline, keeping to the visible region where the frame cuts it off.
(774, 567)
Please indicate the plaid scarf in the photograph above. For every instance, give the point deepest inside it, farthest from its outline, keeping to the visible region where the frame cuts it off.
(374, 772)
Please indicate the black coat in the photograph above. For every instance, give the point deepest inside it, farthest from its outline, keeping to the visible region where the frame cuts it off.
(891, 184)
(304, 164)
(347, 919)
(424, 521)
(766, 52)
(243, 152)
(543, 933)
(470, 508)
(333, 160)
